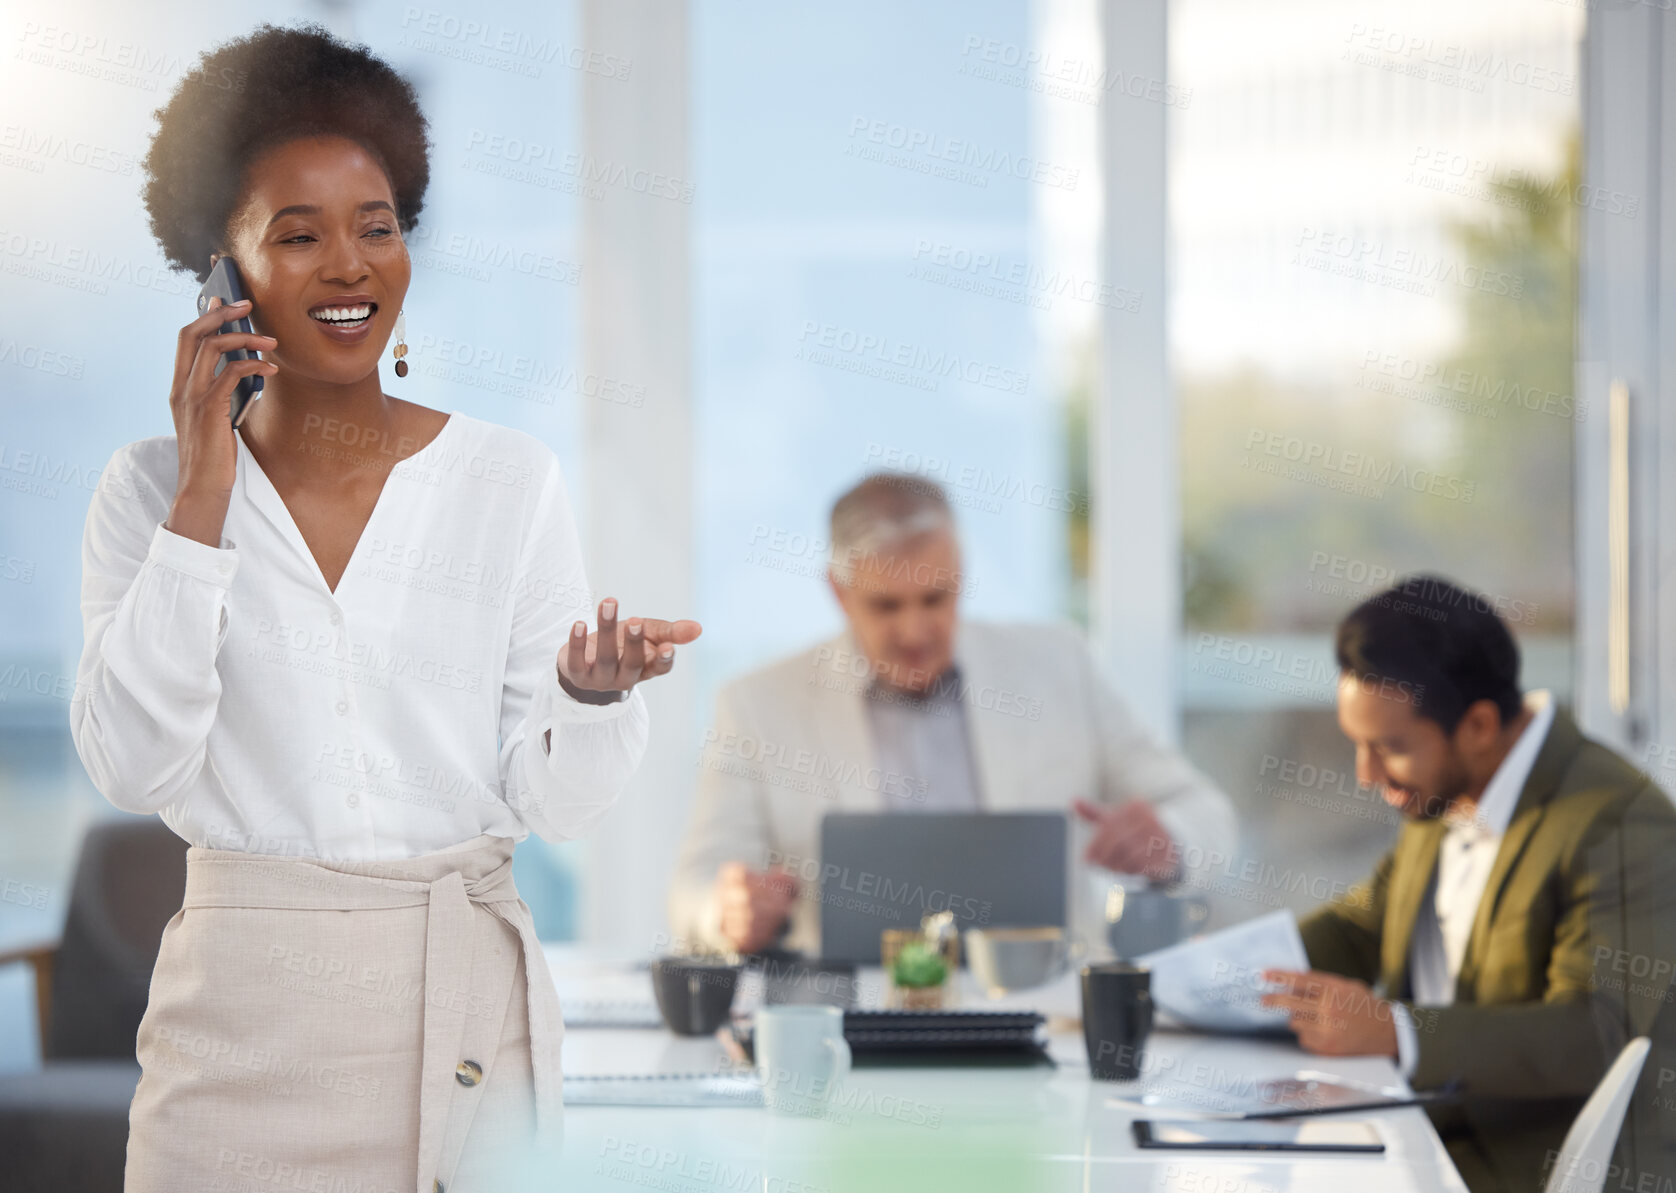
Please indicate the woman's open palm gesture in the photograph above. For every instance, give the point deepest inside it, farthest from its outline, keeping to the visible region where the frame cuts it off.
(620, 654)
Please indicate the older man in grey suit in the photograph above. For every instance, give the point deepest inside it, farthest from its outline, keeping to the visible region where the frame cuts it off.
(910, 710)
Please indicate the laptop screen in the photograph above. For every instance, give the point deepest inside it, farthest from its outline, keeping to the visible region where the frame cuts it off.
(991, 869)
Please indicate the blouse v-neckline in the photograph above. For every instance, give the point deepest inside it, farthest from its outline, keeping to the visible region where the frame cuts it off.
(266, 497)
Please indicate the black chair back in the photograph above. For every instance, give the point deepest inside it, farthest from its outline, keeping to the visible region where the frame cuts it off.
(130, 879)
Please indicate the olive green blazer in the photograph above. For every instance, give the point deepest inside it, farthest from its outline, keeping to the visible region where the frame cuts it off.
(1571, 955)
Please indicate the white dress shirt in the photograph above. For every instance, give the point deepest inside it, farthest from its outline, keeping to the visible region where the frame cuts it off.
(1467, 854)
(232, 691)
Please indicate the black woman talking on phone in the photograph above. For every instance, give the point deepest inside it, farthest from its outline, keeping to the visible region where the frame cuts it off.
(343, 651)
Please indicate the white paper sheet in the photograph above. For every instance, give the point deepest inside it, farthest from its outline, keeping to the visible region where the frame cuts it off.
(1215, 982)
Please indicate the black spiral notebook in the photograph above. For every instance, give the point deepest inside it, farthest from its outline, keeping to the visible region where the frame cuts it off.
(938, 1037)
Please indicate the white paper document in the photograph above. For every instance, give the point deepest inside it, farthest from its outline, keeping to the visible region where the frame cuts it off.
(1215, 982)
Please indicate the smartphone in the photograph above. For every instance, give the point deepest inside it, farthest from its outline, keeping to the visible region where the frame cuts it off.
(224, 283)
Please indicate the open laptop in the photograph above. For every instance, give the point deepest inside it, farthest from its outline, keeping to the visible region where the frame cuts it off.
(886, 870)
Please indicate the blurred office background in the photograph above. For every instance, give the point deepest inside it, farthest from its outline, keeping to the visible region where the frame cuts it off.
(1213, 318)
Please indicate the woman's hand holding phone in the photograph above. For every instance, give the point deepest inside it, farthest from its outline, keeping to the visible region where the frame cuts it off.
(201, 403)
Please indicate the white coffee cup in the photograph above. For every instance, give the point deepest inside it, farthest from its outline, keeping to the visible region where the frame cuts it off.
(801, 1056)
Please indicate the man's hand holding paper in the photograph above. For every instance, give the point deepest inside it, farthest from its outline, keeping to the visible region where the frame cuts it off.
(1214, 982)
(1333, 1015)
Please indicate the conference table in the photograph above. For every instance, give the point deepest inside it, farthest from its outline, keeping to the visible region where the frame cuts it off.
(1042, 1128)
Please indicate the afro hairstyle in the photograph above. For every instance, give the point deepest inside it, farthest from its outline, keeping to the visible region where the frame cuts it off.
(254, 93)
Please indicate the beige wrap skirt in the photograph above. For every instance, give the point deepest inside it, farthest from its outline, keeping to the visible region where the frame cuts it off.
(348, 1027)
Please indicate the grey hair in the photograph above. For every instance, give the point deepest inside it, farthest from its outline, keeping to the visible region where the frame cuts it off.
(883, 510)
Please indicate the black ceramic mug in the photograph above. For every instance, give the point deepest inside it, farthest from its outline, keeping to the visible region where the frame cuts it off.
(695, 994)
(1116, 1018)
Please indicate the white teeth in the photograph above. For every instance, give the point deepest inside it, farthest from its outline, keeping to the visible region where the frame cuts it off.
(343, 314)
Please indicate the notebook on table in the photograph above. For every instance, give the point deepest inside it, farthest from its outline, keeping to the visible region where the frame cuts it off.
(664, 1089)
(938, 1037)
(610, 1012)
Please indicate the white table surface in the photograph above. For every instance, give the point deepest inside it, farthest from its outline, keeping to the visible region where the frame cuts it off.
(968, 1129)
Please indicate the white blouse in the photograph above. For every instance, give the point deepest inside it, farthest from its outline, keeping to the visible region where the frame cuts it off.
(232, 691)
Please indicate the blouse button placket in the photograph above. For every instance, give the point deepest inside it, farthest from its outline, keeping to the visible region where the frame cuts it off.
(335, 617)
(342, 706)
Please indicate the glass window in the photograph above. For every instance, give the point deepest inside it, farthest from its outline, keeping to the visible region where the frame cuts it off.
(893, 222)
(1371, 335)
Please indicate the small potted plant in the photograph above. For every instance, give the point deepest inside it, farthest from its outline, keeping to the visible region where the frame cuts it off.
(919, 963)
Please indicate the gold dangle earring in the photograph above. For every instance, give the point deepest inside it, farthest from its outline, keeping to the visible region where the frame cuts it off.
(400, 350)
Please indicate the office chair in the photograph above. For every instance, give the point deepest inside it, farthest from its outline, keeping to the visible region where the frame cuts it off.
(1586, 1153)
(65, 1126)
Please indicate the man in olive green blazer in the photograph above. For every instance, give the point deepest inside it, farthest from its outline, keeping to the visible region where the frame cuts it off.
(1520, 975)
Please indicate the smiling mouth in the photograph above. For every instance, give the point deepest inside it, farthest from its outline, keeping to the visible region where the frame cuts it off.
(347, 317)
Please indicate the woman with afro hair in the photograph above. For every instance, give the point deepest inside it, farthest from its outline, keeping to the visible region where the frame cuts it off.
(343, 650)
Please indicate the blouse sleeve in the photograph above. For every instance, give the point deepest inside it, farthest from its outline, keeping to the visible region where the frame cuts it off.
(595, 748)
(154, 619)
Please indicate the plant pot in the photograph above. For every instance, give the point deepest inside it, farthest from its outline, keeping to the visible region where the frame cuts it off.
(917, 998)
